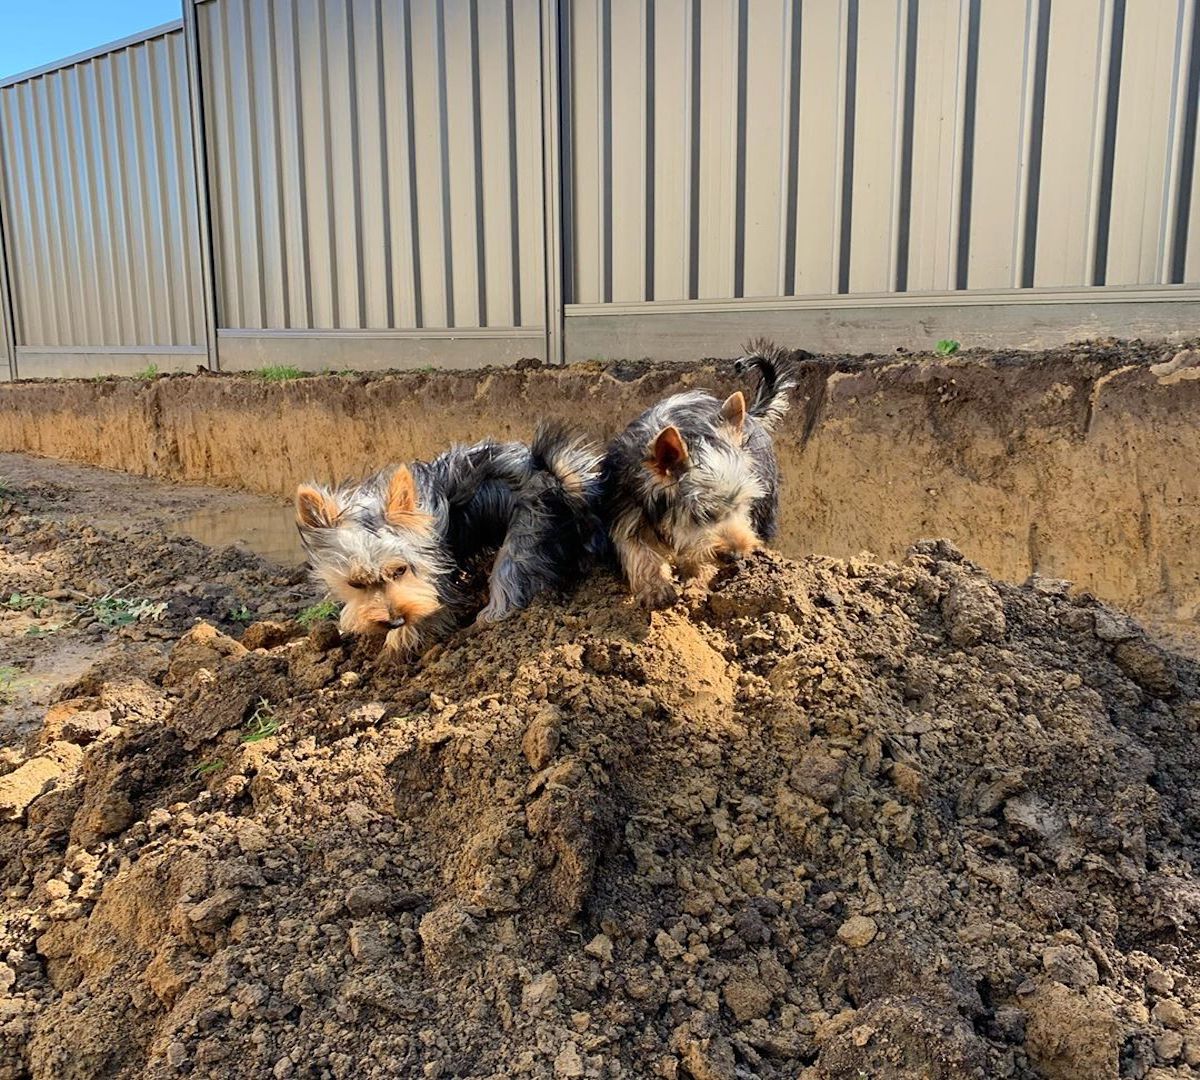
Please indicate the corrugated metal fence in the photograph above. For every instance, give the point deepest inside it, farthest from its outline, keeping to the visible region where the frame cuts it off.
(387, 183)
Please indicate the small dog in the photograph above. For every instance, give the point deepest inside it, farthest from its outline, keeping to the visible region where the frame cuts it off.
(693, 479)
(394, 548)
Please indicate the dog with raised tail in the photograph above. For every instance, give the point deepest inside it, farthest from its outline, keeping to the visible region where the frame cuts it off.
(695, 479)
(393, 549)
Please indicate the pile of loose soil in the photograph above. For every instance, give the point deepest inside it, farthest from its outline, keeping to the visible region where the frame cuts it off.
(835, 819)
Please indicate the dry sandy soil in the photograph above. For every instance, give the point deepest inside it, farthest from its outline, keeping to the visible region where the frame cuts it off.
(839, 818)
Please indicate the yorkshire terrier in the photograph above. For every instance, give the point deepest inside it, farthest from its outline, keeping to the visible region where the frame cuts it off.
(393, 548)
(694, 479)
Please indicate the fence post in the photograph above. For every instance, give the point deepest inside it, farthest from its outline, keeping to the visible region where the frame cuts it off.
(552, 181)
(191, 42)
(7, 307)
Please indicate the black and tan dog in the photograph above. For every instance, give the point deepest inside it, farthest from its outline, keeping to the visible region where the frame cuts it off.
(694, 479)
(392, 548)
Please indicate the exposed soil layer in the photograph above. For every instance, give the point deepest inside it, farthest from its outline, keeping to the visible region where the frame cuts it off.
(1082, 463)
(834, 819)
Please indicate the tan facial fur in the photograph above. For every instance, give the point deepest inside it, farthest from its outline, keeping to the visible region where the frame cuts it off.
(394, 606)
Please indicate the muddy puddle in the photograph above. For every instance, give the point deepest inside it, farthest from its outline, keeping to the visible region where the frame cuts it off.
(267, 530)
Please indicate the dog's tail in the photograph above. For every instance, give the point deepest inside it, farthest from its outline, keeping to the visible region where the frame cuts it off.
(572, 460)
(776, 380)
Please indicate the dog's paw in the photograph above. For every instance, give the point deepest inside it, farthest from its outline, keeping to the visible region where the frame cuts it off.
(658, 596)
(491, 615)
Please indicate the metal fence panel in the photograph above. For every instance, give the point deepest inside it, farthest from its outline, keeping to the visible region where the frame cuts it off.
(100, 202)
(375, 164)
(722, 149)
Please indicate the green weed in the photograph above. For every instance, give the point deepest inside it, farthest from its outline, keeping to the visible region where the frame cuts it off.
(20, 602)
(42, 631)
(946, 347)
(206, 767)
(241, 615)
(114, 610)
(8, 675)
(326, 609)
(6, 487)
(147, 373)
(279, 373)
(262, 723)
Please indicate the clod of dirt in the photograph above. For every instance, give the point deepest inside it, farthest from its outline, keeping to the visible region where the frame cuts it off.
(837, 819)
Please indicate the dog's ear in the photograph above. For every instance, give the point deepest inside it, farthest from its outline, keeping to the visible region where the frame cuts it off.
(315, 509)
(401, 502)
(668, 452)
(733, 411)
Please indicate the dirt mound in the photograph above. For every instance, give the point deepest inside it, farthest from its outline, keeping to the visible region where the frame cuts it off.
(839, 819)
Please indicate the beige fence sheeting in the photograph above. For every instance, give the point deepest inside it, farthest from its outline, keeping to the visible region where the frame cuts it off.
(774, 148)
(100, 201)
(375, 164)
(389, 183)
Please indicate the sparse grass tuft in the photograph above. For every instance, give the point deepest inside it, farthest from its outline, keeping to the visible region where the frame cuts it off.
(147, 373)
(206, 767)
(262, 723)
(114, 610)
(946, 347)
(42, 631)
(279, 373)
(20, 602)
(326, 609)
(8, 676)
(6, 488)
(241, 615)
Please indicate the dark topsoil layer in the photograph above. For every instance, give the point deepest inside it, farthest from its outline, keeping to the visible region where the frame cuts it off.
(838, 818)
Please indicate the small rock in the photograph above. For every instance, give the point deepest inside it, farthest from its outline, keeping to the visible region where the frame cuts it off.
(367, 898)
(667, 947)
(747, 998)
(56, 890)
(24, 784)
(601, 947)
(973, 612)
(366, 945)
(857, 931)
(1170, 1013)
(540, 993)
(210, 915)
(1169, 1045)
(202, 647)
(541, 738)
(284, 1068)
(8, 979)
(176, 1054)
(1112, 626)
(1070, 965)
(324, 636)
(568, 1063)
(1160, 981)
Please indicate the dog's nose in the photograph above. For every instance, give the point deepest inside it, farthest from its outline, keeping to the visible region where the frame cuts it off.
(396, 622)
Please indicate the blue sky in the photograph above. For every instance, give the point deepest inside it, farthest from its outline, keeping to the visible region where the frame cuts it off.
(35, 33)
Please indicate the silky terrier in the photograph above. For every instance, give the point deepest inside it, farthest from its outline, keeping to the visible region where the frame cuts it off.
(394, 548)
(694, 479)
